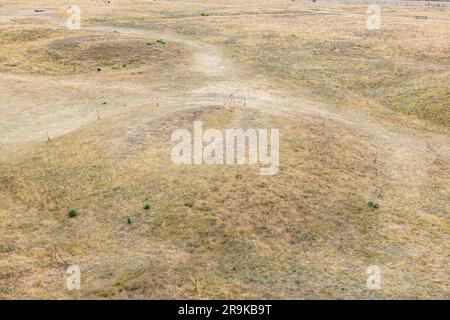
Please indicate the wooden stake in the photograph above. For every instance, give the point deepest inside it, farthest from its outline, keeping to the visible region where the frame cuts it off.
(56, 256)
(380, 192)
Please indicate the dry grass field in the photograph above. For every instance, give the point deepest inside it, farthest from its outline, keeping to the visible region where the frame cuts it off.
(86, 121)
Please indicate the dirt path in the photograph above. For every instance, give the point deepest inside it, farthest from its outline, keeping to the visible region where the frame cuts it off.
(405, 153)
(61, 104)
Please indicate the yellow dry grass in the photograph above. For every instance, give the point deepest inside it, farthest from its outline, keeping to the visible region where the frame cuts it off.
(225, 231)
(325, 52)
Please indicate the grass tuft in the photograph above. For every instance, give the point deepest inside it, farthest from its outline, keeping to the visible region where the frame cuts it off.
(147, 206)
(72, 213)
(373, 204)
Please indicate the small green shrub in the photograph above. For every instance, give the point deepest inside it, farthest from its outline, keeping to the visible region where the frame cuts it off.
(161, 41)
(129, 221)
(147, 206)
(204, 14)
(72, 213)
(374, 204)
